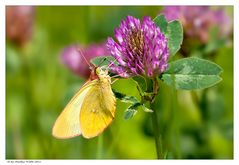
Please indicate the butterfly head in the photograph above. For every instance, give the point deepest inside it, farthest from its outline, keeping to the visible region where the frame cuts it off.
(102, 74)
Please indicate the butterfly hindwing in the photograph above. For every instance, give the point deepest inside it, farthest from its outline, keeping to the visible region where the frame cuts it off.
(98, 109)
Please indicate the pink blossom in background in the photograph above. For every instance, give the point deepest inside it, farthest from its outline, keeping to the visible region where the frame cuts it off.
(75, 61)
(19, 23)
(198, 20)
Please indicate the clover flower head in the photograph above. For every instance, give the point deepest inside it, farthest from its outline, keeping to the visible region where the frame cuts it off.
(141, 48)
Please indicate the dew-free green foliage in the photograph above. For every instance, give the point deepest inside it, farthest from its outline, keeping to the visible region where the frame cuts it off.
(192, 73)
(124, 98)
(162, 23)
(188, 73)
(131, 111)
(143, 83)
(102, 61)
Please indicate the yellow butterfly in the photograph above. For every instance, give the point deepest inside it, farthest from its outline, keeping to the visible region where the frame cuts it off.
(90, 111)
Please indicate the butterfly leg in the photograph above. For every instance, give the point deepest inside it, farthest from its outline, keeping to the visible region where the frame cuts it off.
(114, 80)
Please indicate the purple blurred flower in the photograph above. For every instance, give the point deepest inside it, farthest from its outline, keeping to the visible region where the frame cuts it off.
(141, 48)
(198, 20)
(19, 23)
(75, 61)
(223, 21)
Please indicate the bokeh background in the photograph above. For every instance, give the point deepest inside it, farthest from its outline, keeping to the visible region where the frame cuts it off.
(43, 73)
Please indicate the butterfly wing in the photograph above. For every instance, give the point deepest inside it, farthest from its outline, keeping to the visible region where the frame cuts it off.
(98, 109)
(67, 124)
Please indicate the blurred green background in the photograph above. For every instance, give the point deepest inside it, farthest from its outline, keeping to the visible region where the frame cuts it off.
(193, 124)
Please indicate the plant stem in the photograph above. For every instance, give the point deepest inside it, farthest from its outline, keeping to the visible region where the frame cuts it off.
(158, 138)
(155, 121)
(153, 88)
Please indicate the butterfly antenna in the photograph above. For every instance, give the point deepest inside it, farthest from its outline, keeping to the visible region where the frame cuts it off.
(111, 63)
(107, 68)
(118, 75)
(82, 55)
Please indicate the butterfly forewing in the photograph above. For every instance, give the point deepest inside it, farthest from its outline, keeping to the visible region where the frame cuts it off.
(67, 124)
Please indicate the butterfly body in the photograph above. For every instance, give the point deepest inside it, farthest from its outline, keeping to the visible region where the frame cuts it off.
(90, 111)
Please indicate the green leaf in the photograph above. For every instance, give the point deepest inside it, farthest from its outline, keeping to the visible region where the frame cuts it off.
(175, 36)
(161, 22)
(192, 73)
(147, 109)
(102, 60)
(141, 81)
(173, 31)
(124, 98)
(131, 111)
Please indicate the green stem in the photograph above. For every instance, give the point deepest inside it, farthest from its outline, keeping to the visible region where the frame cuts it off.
(148, 97)
(158, 138)
(155, 121)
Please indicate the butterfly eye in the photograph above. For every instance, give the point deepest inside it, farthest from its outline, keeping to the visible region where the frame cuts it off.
(97, 71)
